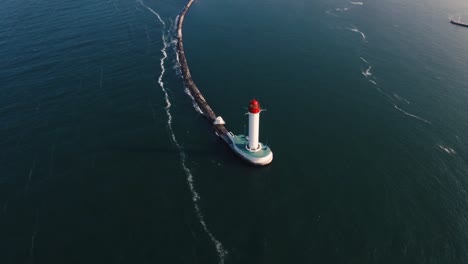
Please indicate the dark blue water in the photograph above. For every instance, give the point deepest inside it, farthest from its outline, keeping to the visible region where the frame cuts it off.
(104, 159)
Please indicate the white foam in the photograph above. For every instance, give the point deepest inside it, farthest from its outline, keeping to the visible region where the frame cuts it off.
(358, 31)
(390, 99)
(176, 67)
(448, 150)
(400, 98)
(161, 82)
(152, 11)
(329, 12)
(195, 197)
(367, 72)
(176, 21)
(194, 103)
(342, 9)
(411, 115)
(356, 3)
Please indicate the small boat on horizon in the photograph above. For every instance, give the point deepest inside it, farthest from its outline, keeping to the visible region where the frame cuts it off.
(459, 23)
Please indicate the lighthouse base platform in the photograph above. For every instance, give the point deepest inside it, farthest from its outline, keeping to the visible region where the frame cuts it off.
(239, 144)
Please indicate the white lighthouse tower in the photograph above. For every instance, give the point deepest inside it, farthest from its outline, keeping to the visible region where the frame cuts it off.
(248, 147)
(254, 126)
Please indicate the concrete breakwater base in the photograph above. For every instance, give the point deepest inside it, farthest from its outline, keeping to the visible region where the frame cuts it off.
(263, 157)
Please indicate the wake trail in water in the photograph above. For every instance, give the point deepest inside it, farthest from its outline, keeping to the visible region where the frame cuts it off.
(152, 11)
(342, 9)
(411, 115)
(389, 98)
(360, 32)
(367, 73)
(448, 150)
(401, 98)
(329, 12)
(183, 157)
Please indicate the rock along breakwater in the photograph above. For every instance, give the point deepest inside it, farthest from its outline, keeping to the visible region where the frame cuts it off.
(198, 97)
(262, 155)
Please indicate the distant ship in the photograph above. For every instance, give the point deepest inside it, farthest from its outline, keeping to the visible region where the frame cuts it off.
(458, 23)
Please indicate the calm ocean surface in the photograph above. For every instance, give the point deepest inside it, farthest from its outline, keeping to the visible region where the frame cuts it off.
(104, 159)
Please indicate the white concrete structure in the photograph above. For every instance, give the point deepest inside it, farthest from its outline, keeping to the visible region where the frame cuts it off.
(219, 121)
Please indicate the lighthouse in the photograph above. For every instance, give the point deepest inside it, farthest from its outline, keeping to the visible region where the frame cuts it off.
(249, 147)
(254, 126)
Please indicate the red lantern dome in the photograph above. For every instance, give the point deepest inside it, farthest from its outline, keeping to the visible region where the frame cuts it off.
(254, 107)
